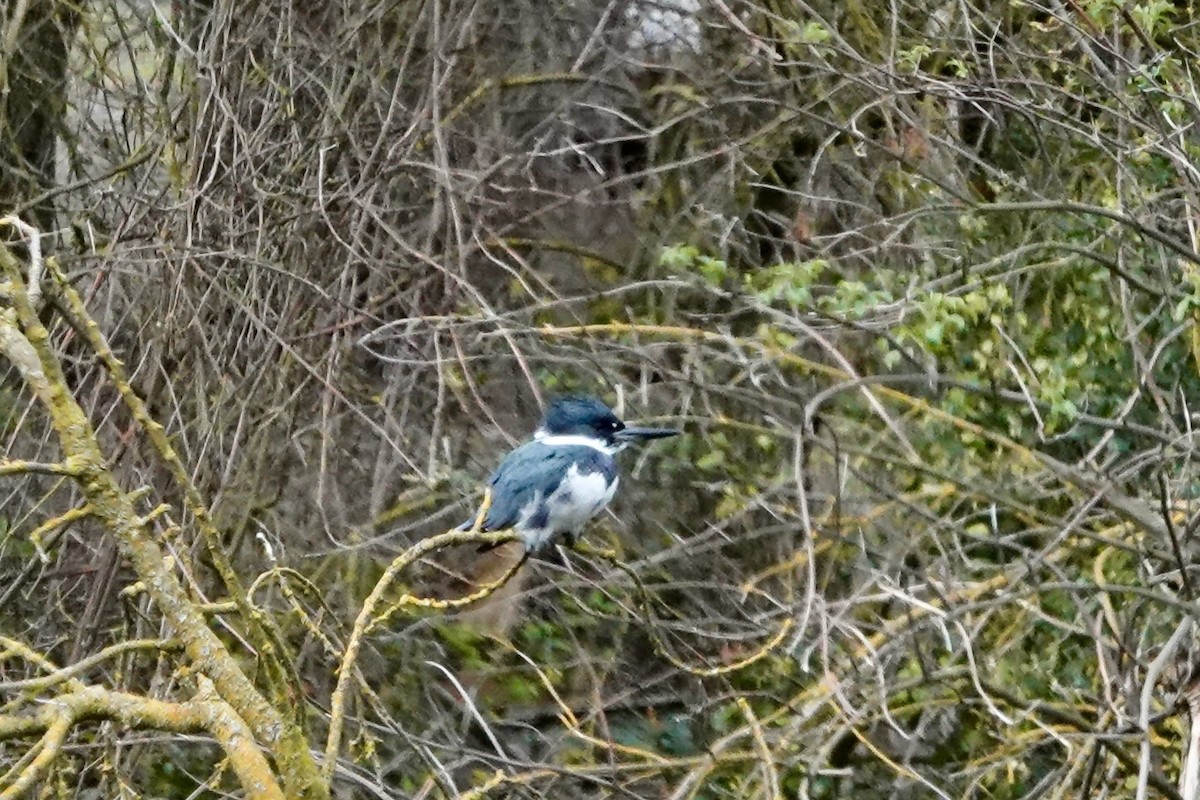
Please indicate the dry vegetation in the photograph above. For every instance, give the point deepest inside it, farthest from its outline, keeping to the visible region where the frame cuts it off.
(920, 280)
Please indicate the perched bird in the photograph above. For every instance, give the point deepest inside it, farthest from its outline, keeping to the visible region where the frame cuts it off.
(557, 482)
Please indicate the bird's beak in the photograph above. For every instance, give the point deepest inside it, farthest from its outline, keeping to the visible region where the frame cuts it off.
(632, 434)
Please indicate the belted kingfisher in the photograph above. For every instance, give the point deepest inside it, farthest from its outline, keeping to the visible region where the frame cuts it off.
(557, 482)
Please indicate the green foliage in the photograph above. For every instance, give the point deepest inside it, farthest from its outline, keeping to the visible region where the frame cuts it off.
(1153, 16)
(466, 646)
(855, 299)
(1059, 354)
(792, 282)
(910, 58)
(814, 33)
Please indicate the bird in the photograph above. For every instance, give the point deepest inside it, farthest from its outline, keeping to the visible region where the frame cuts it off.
(555, 483)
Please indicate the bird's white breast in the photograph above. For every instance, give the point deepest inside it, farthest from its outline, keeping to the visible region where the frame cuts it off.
(578, 498)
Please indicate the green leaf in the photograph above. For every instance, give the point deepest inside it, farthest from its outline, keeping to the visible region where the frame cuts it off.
(814, 33)
(711, 460)
(910, 59)
(714, 270)
(1181, 308)
(680, 257)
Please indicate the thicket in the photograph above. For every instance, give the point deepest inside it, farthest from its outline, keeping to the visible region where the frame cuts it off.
(920, 281)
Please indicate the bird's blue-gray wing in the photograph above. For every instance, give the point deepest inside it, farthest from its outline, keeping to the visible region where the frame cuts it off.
(531, 468)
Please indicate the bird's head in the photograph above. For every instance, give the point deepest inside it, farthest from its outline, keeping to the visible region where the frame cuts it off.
(588, 417)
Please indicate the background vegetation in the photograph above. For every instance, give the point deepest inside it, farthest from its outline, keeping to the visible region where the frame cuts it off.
(920, 280)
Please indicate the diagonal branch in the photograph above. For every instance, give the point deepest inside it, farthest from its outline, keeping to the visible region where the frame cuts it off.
(26, 343)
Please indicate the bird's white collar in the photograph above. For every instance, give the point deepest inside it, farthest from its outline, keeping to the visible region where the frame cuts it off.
(564, 440)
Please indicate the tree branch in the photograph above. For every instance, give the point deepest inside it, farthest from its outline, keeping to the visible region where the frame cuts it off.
(26, 343)
(213, 716)
(367, 619)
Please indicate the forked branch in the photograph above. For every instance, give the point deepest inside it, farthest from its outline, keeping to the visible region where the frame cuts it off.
(27, 344)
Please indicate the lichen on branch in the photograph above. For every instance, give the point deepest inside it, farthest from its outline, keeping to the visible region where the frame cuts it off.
(27, 344)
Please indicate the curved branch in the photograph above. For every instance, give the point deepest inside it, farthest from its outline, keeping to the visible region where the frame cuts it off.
(266, 639)
(79, 667)
(1169, 242)
(367, 620)
(26, 342)
(212, 716)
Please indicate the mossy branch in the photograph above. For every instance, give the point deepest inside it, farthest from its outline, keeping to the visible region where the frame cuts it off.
(26, 343)
(69, 674)
(266, 638)
(55, 718)
(10, 467)
(38, 535)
